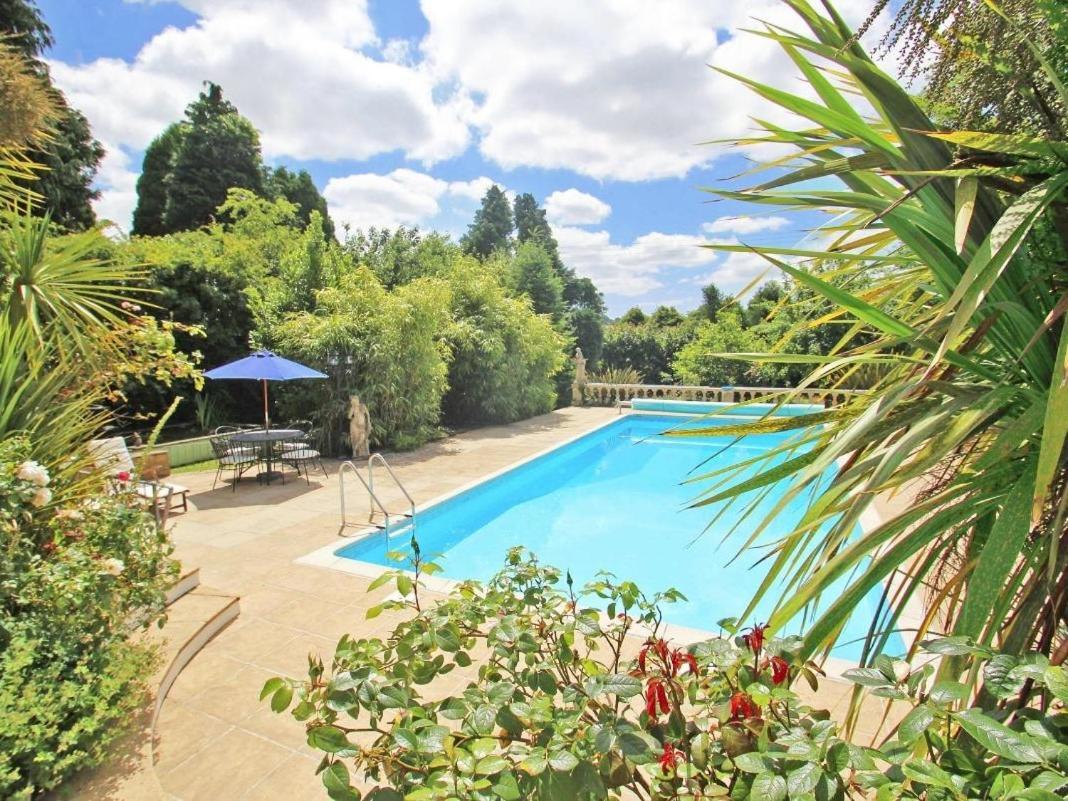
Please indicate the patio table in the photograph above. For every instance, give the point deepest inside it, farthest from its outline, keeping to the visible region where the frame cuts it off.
(267, 439)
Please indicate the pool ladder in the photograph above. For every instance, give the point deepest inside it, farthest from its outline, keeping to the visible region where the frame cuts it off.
(375, 501)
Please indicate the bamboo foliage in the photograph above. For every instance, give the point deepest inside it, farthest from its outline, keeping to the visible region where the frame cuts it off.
(963, 237)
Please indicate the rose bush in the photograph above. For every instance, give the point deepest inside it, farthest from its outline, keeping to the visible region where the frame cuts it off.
(77, 571)
(565, 704)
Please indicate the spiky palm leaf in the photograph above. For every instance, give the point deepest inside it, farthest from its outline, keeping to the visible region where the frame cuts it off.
(969, 317)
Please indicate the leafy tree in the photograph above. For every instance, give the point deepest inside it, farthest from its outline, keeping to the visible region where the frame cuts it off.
(70, 154)
(764, 301)
(696, 362)
(645, 348)
(530, 272)
(154, 181)
(400, 256)
(983, 64)
(503, 356)
(633, 316)
(586, 327)
(492, 227)
(666, 317)
(298, 188)
(582, 293)
(220, 150)
(373, 343)
(531, 225)
(712, 300)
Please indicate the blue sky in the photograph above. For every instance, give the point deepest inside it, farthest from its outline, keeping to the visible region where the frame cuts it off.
(405, 111)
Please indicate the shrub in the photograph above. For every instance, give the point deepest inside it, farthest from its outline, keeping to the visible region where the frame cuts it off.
(75, 572)
(557, 709)
(643, 347)
(504, 356)
(696, 362)
(373, 343)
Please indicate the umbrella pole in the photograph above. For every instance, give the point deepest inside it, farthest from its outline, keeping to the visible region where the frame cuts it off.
(266, 417)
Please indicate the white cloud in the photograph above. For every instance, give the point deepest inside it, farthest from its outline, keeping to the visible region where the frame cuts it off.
(744, 225)
(616, 89)
(572, 207)
(634, 269)
(118, 194)
(401, 197)
(299, 71)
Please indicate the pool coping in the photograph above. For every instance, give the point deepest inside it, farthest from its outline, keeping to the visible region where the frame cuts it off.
(326, 556)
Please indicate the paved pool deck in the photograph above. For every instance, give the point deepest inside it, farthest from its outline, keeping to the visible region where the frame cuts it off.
(215, 740)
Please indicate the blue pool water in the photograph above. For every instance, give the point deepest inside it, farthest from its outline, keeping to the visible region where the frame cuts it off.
(614, 500)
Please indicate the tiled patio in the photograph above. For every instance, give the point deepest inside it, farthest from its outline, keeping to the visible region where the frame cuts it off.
(215, 740)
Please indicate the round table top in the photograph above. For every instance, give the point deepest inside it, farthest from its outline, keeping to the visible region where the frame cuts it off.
(274, 435)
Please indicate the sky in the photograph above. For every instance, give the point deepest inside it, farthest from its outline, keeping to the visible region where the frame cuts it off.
(405, 112)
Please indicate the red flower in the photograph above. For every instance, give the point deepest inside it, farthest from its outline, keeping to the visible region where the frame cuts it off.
(671, 757)
(123, 475)
(659, 647)
(743, 706)
(680, 658)
(755, 638)
(656, 698)
(780, 671)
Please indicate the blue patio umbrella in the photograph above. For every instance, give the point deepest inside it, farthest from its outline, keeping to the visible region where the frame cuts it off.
(264, 366)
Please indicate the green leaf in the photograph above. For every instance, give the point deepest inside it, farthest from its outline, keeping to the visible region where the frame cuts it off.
(404, 584)
(1054, 433)
(494, 763)
(618, 684)
(925, 772)
(803, 780)
(281, 699)
(483, 717)
(915, 723)
(997, 557)
(336, 777)
(270, 686)
(949, 692)
(965, 203)
(1056, 679)
(998, 739)
(754, 762)
(330, 739)
(406, 739)
(768, 787)
(563, 761)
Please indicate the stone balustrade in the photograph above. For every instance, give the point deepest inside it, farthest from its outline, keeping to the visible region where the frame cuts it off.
(600, 394)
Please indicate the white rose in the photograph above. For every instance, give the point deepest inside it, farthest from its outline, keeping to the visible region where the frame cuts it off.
(41, 497)
(34, 472)
(114, 566)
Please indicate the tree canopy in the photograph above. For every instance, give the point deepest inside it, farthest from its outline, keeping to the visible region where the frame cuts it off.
(491, 230)
(68, 152)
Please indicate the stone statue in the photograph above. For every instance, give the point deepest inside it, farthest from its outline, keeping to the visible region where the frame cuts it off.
(359, 427)
(578, 386)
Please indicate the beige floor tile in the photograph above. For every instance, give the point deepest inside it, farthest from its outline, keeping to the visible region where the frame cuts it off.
(253, 637)
(187, 732)
(233, 765)
(235, 698)
(293, 780)
(291, 657)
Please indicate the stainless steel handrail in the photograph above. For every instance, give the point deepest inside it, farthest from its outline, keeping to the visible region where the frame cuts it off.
(385, 464)
(370, 492)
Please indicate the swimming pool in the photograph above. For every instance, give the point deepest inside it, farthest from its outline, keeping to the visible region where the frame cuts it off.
(614, 500)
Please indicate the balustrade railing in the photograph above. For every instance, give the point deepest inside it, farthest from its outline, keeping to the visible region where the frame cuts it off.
(601, 394)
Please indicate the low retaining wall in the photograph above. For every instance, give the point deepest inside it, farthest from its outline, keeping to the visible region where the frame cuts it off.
(598, 394)
(182, 451)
